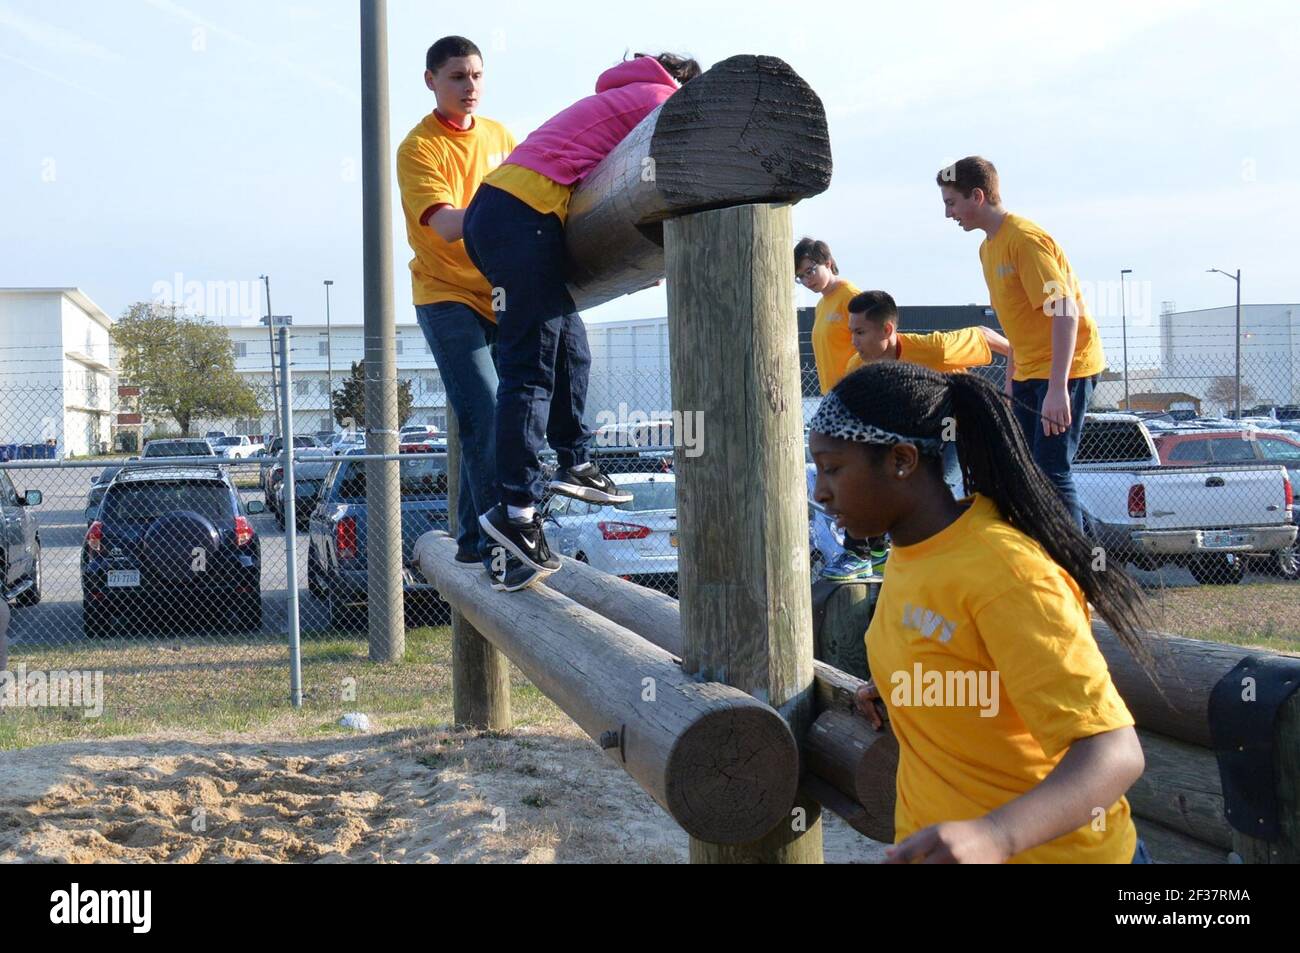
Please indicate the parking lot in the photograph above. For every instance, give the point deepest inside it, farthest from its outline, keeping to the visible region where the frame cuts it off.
(61, 518)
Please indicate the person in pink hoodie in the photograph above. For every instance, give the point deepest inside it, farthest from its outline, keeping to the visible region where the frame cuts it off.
(514, 235)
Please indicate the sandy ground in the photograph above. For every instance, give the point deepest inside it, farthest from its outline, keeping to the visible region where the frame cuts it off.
(427, 796)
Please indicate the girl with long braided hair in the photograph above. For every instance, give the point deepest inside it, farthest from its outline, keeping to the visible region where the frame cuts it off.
(1013, 742)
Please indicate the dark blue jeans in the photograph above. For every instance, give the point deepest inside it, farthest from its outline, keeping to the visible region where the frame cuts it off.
(462, 344)
(1054, 454)
(542, 353)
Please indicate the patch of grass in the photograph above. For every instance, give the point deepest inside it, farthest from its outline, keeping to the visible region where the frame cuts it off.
(1263, 615)
(536, 799)
(198, 683)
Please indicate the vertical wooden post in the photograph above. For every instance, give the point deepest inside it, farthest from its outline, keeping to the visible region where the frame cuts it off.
(480, 674)
(742, 503)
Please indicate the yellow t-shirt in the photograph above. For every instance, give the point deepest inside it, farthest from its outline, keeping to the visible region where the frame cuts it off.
(981, 610)
(439, 165)
(943, 351)
(832, 343)
(538, 191)
(1024, 268)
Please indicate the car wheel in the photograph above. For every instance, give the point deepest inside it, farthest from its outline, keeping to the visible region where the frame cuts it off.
(1285, 563)
(94, 625)
(1217, 569)
(343, 617)
(33, 595)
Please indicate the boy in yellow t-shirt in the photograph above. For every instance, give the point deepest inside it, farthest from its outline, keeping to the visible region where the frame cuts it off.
(1013, 742)
(440, 165)
(873, 324)
(816, 270)
(1055, 343)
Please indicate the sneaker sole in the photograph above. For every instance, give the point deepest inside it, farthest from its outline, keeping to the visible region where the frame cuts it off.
(588, 494)
(537, 577)
(519, 553)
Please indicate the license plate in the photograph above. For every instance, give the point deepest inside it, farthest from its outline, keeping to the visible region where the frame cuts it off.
(123, 577)
(672, 540)
(1221, 539)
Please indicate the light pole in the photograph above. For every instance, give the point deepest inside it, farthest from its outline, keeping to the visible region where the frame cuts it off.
(329, 354)
(1237, 279)
(270, 337)
(1123, 323)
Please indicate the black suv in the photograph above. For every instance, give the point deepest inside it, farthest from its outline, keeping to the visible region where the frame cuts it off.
(170, 544)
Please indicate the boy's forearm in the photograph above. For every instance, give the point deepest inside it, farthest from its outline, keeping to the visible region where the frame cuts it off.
(1094, 774)
(996, 342)
(449, 223)
(1065, 332)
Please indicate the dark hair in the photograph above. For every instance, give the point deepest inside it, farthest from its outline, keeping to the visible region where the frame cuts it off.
(971, 173)
(995, 460)
(818, 252)
(449, 47)
(877, 306)
(681, 68)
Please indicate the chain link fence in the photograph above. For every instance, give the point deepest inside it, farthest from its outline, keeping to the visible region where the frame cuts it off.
(162, 562)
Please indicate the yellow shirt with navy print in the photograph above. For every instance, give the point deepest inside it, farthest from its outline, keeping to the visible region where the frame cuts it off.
(982, 650)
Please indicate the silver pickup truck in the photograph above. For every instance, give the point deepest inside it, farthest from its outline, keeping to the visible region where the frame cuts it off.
(1210, 519)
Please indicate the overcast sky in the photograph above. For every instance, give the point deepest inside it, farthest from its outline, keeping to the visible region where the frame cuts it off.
(145, 139)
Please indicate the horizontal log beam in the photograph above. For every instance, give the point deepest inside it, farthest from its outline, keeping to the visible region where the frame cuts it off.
(841, 750)
(721, 763)
(747, 131)
(1181, 789)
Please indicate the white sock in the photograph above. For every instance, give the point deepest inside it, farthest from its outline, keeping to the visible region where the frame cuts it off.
(519, 512)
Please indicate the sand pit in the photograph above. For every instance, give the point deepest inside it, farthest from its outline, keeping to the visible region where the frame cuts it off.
(426, 796)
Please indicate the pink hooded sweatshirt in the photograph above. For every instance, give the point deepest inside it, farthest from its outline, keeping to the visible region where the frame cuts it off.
(569, 145)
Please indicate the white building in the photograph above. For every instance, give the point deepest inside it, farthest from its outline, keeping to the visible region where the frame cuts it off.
(311, 356)
(56, 374)
(1198, 347)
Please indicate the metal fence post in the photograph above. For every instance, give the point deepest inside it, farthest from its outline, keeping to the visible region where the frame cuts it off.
(290, 525)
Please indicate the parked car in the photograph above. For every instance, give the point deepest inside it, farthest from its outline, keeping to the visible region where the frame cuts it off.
(1236, 448)
(308, 477)
(635, 540)
(98, 484)
(171, 542)
(1209, 518)
(20, 544)
(235, 448)
(268, 457)
(337, 534)
(212, 436)
(416, 432)
(177, 447)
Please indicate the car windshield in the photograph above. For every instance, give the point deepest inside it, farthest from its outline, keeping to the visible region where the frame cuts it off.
(229, 441)
(137, 502)
(659, 495)
(311, 471)
(178, 448)
(421, 479)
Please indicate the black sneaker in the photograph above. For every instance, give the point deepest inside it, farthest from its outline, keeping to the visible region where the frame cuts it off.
(523, 538)
(517, 576)
(465, 556)
(586, 482)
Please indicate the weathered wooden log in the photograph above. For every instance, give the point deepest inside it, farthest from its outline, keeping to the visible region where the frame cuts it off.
(724, 765)
(1168, 846)
(841, 751)
(480, 674)
(1181, 790)
(1176, 703)
(747, 131)
(742, 517)
(861, 764)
